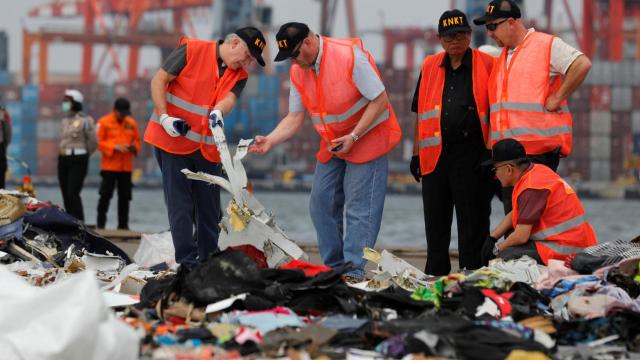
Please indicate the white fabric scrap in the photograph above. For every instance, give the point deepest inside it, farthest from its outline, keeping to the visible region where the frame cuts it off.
(67, 320)
(223, 304)
(524, 269)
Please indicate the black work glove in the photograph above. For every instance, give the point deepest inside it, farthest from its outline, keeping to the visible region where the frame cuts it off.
(414, 167)
(486, 253)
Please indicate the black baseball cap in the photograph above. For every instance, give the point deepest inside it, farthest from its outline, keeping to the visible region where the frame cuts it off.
(288, 37)
(255, 41)
(499, 9)
(123, 106)
(453, 21)
(506, 150)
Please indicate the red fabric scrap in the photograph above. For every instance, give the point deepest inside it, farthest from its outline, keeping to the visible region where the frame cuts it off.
(309, 269)
(256, 255)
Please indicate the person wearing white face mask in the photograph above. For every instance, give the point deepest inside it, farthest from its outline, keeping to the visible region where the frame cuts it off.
(77, 142)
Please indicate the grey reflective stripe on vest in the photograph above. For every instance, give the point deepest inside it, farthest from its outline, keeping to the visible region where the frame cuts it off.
(428, 115)
(561, 249)
(433, 114)
(330, 119)
(191, 135)
(185, 105)
(524, 106)
(548, 132)
(381, 118)
(432, 141)
(558, 229)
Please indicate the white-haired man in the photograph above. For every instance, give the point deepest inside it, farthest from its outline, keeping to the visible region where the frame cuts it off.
(198, 83)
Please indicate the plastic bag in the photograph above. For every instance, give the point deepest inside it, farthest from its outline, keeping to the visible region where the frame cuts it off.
(155, 249)
(67, 320)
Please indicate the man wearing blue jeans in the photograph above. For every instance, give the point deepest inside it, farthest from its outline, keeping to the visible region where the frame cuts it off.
(336, 81)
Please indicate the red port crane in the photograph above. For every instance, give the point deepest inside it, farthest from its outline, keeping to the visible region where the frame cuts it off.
(93, 13)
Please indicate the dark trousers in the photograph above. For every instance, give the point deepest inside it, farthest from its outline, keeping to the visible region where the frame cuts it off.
(3, 165)
(109, 181)
(550, 159)
(189, 203)
(72, 170)
(457, 181)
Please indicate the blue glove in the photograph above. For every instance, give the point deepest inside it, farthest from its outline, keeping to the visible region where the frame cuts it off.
(215, 119)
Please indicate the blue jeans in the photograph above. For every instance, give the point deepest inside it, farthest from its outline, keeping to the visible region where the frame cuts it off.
(357, 190)
(189, 203)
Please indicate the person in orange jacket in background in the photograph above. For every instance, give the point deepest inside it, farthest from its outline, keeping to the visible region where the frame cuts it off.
(119, 142)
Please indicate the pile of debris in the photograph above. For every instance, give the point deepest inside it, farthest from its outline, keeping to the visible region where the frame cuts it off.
(259, 297)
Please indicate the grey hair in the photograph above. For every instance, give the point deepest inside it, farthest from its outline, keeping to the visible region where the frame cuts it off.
(229, 38)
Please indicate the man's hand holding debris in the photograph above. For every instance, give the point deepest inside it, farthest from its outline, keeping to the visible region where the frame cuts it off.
(261, 145)
(215, 119)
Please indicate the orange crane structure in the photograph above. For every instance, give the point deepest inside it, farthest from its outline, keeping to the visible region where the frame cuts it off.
(97, 31)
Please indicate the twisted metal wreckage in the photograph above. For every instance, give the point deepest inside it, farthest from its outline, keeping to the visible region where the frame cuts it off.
(247, 221)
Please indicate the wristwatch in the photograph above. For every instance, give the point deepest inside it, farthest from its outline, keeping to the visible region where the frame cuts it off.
(496, 250)
(354, 137)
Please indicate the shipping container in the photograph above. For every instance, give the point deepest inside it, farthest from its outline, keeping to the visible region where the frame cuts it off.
(577, 168)
(636, 97)
(30, 93)
(48, 157)
(581, 123)
(53, 93)
(635, 121)
(581, 147)
(636, 74)
(600, 147)
(4, 51)
(620, 123)
(600, 170)
(621, 98)
(5, 77)
(600, 97)
(49, 129)
(269, 85)
(623, 73)
(600, 123)
(11, 93)
(50, 111)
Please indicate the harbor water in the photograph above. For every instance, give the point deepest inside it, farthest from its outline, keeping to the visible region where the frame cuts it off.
(402, 223)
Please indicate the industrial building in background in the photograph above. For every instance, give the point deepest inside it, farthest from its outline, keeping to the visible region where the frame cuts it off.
(606, 109)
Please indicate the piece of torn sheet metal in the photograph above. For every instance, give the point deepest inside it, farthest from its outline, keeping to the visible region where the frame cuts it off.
(247, 221)
(399, 271)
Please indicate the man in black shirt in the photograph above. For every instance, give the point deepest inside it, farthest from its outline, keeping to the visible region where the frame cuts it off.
(452, 107)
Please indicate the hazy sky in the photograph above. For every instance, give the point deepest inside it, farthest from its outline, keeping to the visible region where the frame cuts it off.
(370, 15)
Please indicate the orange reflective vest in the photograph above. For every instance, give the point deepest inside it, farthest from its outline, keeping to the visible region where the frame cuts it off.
(518, 92)
(191, 96)
(562, 229)
(430, 104)
(335, 104)
(112, 132)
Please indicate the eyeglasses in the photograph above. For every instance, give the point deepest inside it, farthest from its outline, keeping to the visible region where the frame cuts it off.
(495, 168)
(454, 37)
(296, 52)
(494, 26)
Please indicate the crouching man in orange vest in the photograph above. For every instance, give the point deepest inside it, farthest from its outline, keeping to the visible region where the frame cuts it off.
(337, 82)
(198, 83)
(548, 220)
